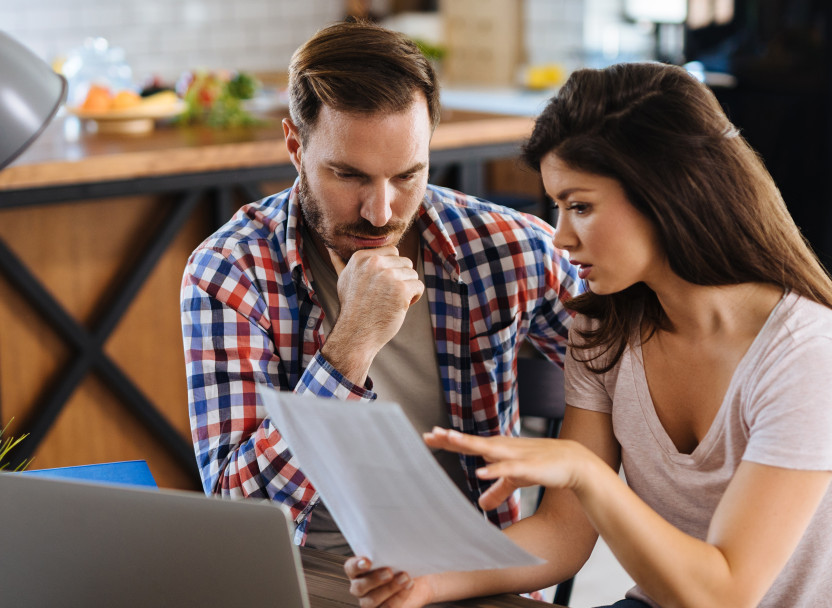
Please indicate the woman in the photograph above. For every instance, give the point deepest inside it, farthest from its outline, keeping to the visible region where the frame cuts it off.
(700, 361)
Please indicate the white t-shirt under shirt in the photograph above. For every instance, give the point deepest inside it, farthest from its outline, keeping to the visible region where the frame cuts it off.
(777, 411)
(405, 371)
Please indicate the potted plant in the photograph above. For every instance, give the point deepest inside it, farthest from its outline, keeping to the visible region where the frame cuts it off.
(6, 445)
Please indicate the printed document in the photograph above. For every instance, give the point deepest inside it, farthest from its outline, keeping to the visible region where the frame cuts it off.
(384, 489)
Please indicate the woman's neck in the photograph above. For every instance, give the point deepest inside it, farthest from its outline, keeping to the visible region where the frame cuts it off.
(697, 311)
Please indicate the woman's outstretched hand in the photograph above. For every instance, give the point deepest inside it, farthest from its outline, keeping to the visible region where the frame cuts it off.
(515, 462)
(384, 587)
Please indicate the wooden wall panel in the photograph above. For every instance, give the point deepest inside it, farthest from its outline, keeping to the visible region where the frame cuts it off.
(79, 251)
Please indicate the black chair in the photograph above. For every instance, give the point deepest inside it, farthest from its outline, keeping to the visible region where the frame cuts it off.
(540, 392)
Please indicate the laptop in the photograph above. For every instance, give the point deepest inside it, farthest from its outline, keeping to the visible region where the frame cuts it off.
(69, 543)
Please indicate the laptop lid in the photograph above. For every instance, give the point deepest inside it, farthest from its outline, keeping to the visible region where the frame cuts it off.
(68, 543)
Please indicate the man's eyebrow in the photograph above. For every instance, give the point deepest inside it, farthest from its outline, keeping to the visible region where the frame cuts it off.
(347, 168)
(415, 168)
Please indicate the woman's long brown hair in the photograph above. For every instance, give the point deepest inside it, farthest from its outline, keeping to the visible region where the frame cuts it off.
(720, 218)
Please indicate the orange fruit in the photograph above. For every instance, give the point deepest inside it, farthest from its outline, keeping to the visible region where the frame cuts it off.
(125, 99)
(99, 99)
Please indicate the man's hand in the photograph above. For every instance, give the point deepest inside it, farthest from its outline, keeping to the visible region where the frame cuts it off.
(383, 586)
(375, 290)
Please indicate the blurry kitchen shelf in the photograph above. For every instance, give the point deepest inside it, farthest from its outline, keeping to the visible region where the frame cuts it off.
(514, 102)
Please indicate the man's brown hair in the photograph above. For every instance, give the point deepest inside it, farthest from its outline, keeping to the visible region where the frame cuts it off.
(358, 67)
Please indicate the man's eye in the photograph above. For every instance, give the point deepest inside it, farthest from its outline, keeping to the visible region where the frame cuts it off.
(342, 175)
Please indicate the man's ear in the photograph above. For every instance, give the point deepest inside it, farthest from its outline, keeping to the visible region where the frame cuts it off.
(293, 143)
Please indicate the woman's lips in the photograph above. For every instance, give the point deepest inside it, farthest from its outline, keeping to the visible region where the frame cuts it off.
(583, 269)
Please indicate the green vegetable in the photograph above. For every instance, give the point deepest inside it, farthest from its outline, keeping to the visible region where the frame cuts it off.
(215, 100)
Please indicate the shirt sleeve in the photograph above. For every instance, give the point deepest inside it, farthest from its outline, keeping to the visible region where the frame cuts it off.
(229, 341)
(789, 408)
(583, 388)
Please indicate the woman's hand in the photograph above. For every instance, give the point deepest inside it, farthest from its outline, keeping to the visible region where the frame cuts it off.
(383, 587)
(516, 462)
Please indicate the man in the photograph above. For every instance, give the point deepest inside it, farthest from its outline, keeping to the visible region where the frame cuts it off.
(363, 282)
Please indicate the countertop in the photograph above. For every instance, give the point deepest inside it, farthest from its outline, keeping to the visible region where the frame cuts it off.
(68, 153)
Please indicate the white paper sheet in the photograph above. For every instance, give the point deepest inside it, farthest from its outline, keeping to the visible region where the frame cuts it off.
(388, 495)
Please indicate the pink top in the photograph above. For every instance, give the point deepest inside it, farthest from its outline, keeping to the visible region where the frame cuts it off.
(777, 411)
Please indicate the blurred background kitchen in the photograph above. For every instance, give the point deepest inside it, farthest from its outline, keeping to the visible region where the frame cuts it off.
(769, 58)
(97, 374)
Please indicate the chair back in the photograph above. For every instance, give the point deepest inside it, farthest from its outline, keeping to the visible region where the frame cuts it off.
(540, 388)
(540, 394)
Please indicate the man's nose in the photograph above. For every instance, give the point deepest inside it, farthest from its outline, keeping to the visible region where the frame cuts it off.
(377, 203)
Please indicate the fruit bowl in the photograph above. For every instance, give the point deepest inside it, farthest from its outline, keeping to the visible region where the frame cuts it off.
(137, 119)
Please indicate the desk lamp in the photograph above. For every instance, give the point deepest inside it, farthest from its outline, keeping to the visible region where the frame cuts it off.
(30, 95)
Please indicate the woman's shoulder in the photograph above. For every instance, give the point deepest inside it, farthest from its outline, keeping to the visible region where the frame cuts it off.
(802, 317)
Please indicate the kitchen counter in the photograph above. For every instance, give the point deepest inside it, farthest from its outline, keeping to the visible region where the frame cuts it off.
(67, 154)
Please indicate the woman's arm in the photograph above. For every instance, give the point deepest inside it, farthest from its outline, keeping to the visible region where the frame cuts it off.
(558, 532)
(754, 531)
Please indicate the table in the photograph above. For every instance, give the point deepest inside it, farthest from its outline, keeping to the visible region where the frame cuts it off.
(328, 586)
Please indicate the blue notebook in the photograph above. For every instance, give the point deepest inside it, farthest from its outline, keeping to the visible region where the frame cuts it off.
(130, 472)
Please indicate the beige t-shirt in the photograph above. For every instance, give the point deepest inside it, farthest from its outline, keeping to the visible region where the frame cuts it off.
(405, 371)
(777, 411)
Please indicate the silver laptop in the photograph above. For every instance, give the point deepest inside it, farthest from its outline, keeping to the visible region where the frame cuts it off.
(68, 543)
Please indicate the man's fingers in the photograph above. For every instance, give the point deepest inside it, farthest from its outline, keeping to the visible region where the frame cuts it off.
(356, 566)
(371, 582)
(337, 262)
(419, 289)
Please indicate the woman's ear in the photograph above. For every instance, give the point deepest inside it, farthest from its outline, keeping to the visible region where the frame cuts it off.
(293, 142)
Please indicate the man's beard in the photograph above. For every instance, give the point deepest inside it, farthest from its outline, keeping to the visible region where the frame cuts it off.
(315, 220)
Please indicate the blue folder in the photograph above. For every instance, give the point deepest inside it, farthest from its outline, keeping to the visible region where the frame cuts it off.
(130, 472)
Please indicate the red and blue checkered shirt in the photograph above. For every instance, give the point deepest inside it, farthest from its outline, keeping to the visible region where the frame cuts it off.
(249, 316)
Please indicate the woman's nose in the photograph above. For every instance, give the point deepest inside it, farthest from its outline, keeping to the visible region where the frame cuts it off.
(565, 237)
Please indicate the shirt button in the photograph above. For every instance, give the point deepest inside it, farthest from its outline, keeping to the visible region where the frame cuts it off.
(310, 323)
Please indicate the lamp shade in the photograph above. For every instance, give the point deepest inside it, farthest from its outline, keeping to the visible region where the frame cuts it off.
(30, 95)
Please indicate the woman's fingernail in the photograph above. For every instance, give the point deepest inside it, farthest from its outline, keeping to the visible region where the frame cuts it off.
(402, 579)
(363, 564)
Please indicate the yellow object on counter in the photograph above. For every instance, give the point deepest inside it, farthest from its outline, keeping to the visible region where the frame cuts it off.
(162, 98)
(543, 76)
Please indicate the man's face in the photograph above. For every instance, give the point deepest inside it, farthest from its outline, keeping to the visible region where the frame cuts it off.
(363, 177)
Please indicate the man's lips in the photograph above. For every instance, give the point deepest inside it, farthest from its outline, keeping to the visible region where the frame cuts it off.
(371, 241)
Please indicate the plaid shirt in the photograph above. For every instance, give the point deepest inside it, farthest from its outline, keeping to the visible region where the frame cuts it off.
(249, 315)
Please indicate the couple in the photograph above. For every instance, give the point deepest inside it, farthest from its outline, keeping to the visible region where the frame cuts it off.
(698, 358)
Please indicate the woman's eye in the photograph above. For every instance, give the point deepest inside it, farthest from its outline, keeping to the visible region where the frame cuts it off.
(579, 208)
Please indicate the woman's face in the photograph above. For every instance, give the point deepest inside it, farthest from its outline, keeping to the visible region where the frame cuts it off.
(613, 245)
